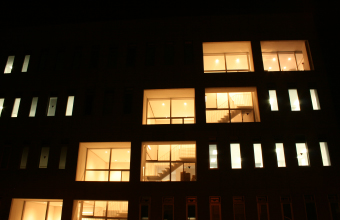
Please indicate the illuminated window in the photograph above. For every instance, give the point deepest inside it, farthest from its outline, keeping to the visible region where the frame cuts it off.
(302, 154)
(37, 209)
(100, 210)
(16, 108)
(262, 208)
(325, 154)
(52, 106)
(1, 105)
(44, 157)
(106, 161)
(168, 161)
(294, 100)
(273, 100)
(24, 157)
(25, 64)
(285, 55)
(69, 107)
(315, 99)
(221, 57)
(9, 64)
(280, 154)
(169, 106)
(258, 156)
(191, 208)
(213, 156)
(231, 105)
(235, 156)
(33, 107)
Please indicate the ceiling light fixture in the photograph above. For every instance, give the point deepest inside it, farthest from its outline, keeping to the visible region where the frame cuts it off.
(216, 61)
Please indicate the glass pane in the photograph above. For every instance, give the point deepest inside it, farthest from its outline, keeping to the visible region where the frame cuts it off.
(270, 62)
(157, 171)
(281, 162)
(237, 62)
(120, 159)
(24, 158)
(88, 207)
(315, 99)
(62, 161)
(25, 65)
(1, 105)
(163, 152)
(177, 173)
(98, 159)
(152, 152)
(182, 108)
(211, 100)
(44, 157)
(192, 212)
(33, 107)
(258, 155)
(177, 121)
(214, 62)
(302, 154)
(236, 115)
(189, 173)
(287, 62)
(69, 107)
(168, 212)
(100, 208)
(144, 212)
(126, 176)
(248, 115)
(115, 176)
(118, 209)
(240, 100)
(54, 210)
(287, 212)
(189, 120)
(185, 152)
(158, 108)
(273, 100)
(52, 106)
(16, 108)
(294, 100)
(325, 154)
(300, 61)
(35, 210)
(9, 65)
(217, 116)
(222, 100)
(96, 176)
(213, 156)
(235, 156)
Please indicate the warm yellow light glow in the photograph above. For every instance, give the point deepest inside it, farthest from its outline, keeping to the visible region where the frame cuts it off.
(216, 61)
(1, 107)
(289, 58)
(213, 160)
(149, 147)
(185, 103)
(237, 60)
(128, 151)
(274, 59)
(284, 67)
(163, 104)
(106, 152)
(270, 68)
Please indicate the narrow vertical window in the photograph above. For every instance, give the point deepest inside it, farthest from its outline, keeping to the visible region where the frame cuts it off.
(16, 108)
(69, 107)
(310, 207)
(302, 154)
(286, 207)
(262, 208)
(52, 106)
(33, 107)
(281, 161)
(145, 208)
(334, 206)
(24, 157)
(9, 64)
(191, 208)
(62, 161)
(325, 154)
(168, 208)
(239, 209)
(258, 156)
(215, 207)
(315, 99)
(294, 100)
(273, 100)
(235, 156)
(44, 157)
(1, 105)
(213, 156)
(25, 64)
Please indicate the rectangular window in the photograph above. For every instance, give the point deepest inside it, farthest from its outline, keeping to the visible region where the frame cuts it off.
(285, 55)
(334, 206)
(16, 108)
(145, 203)
(168, 208)
(315, 99)
(281, 161)
(213, 156)
(4, 158)
(302, 154)
(169, 106)
(24, 157)
(258, 156)
(239, 208)
(325, 154)
(44, 157)
(231, 105)
(25, 64)
(215, 207)
(107, 161)
(310, 207)
(286, 207)
(273, 100)
(37, 209)
(69, 108)
(62, 161)
(262, 208)
(168, 161)
(1, 105)
(235, 156)
(191, 208)
(100, 210)
(221, 57)
(52, 106)
(294, 100)
(33, 107)
(9, 64)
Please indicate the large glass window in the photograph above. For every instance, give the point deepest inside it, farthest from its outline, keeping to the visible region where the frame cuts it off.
(168, 161)
(231, 105)
(285, 55)
(302, 154)
(107, 161)
(221, 57)
(100, 210)
(169, 106)
(37, 209)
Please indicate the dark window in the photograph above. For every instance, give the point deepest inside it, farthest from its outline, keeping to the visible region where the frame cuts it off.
(287, 211)
(262, 208)
(310, 208)
(108, 102)
(215, 208)
(128, 96)
(188, 52)
(144, 212)
(94, 57)
(4, 157)
(131, 56)
(24, 157)
(62, 161)
(150, 55)
(239, 211)
(168, 212)
(77, 55)
(191, 212)
(169, 53)
(112, 57)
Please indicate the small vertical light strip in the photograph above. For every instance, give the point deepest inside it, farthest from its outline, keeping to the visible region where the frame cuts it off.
(315, 99)
(9, 64)
(258, 156)
(25, 65)
(325, 154)
(1, 105)
(273, 100)
(236, 162)
(33, 107)
(294, 100)
(52, 106)
(24, 157)
(62, 161)
(213, 156)
(281, 162)
(16, 108)
(69, 108)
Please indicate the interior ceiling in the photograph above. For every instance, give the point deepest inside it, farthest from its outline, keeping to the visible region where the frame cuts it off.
(294, 45)
(226, 47)
(105, 145)
(186, 107)
(169, 93)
